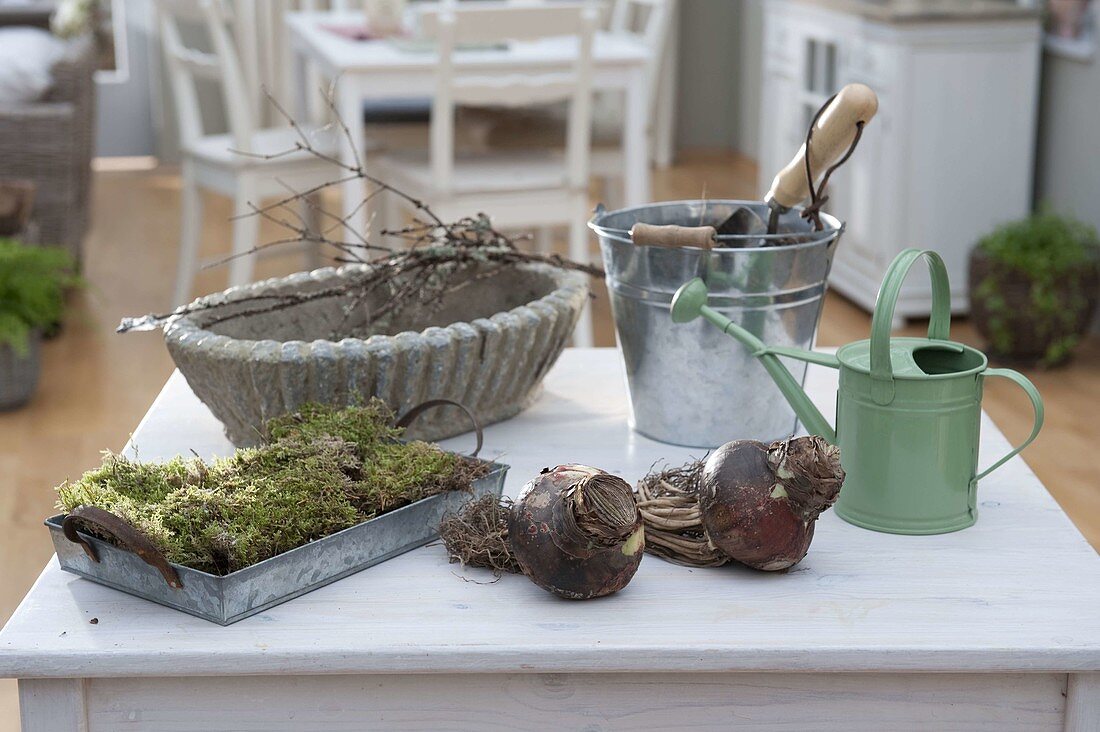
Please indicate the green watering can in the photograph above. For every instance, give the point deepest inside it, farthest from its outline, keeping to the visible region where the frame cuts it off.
(908, 411)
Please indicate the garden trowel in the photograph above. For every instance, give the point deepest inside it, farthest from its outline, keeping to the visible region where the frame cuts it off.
(832, 136)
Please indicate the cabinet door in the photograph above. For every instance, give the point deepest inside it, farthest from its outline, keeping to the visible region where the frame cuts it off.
(801, 71)
(778, 106)
(779, 137)
(862, 191)
(817, 76)
(854, 199)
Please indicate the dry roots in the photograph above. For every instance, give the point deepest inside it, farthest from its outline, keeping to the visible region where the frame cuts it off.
(477, 535)
(669, 504)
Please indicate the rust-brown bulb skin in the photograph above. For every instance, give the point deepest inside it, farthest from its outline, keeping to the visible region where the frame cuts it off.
(576, 532)
(759, 502)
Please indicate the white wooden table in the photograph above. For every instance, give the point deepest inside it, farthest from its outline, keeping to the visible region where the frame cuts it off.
(993, 628)
(381, 69)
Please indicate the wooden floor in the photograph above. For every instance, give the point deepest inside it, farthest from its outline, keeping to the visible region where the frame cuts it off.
(96, 385)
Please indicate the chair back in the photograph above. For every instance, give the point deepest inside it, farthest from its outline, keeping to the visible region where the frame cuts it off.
(454, 26)
(266, 56)
(187, 63)
(336, 5)
(649, 21)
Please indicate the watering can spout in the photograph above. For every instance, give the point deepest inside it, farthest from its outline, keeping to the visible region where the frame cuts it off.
(690, 302)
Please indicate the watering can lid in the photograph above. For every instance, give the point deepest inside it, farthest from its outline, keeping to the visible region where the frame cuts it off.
(903, 362)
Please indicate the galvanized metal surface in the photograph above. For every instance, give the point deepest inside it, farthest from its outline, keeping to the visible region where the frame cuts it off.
(227, 599)
(690, 384)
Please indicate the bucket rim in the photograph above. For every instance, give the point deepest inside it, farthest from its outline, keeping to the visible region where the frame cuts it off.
(834, 226)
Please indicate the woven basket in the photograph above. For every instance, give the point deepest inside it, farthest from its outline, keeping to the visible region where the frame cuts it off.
(19, 374)
(49, 142)
(16, 200)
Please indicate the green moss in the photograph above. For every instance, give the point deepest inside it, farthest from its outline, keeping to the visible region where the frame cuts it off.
(365, 426)
(1056, 254)
(399, 473)
(324, 470)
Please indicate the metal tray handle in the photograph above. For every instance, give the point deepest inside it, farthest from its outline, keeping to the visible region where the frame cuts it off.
(407, 418)
(124, 533)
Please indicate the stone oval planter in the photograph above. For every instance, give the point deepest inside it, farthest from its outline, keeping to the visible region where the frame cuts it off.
(488, 346)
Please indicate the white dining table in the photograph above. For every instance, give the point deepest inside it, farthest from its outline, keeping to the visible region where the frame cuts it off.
(994, 628)
(392, 69)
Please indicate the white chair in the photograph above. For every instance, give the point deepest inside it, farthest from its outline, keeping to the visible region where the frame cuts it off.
(265, 53)
(648, 21)
(518, 188)
(215, 161)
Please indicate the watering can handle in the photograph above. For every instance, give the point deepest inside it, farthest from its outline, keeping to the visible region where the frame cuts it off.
(939, 326)
(1036, 404)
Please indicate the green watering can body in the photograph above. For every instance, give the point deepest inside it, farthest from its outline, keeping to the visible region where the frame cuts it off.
(908, 415)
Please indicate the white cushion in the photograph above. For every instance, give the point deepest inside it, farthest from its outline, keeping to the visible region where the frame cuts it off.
(26, 57)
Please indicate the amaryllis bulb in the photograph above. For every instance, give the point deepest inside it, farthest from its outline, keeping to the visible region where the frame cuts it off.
(759, 502)
(576, 532)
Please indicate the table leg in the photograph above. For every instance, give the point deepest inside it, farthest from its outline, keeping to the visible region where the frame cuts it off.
(1083, 703)
(48, 705)
(635, 146)
(300, 66)
(246, 31)
(349, 107)
(664, 124)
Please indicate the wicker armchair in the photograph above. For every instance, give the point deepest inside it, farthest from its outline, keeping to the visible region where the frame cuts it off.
(49, 142)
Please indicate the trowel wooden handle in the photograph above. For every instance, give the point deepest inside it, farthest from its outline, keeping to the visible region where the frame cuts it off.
(833, 135)
(672, 236)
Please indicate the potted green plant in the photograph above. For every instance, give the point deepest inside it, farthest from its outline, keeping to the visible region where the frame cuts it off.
(1033, 287)
(33, 281)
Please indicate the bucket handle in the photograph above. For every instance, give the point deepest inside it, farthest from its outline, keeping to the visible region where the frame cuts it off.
(939, 326)
(1036, 404)
(672, 236)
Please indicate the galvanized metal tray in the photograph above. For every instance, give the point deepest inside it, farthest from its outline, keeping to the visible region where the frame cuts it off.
(232, 597)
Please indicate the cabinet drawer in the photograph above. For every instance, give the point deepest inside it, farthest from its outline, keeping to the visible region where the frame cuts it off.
(870, 63)
(779, 43)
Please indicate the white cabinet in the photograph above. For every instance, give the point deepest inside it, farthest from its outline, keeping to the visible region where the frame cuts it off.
(948, 157)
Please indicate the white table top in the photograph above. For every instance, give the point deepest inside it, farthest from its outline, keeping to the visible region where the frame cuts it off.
(1018, 591)
(308, 31)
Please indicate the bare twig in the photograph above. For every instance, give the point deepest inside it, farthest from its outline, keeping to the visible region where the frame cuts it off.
(422, 263)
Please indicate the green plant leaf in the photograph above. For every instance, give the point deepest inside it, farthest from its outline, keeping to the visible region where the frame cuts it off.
(33, 281)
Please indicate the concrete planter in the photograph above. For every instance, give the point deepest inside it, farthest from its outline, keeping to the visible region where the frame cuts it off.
(488, 346)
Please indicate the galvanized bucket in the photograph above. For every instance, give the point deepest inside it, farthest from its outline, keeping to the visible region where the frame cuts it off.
(690, 384)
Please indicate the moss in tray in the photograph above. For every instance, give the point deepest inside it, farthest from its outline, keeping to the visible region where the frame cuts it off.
(322, 470)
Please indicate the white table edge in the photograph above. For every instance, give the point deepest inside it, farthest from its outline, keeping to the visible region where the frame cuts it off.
(397, 658)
